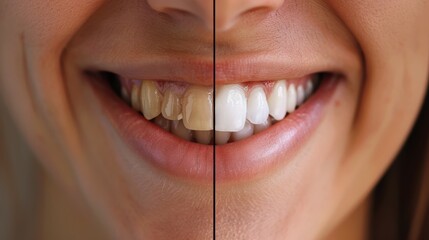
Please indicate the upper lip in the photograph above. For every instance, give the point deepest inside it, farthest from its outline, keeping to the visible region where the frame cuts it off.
(231, 69)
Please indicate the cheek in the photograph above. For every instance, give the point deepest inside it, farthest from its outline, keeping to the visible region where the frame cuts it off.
(394, 39)
(31, 82)
(47, 26)
(395, 45)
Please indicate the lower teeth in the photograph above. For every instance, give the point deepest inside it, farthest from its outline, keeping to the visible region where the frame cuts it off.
(241, 112)
(177, 128)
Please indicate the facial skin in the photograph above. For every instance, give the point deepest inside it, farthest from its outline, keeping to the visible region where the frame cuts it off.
(382, 48)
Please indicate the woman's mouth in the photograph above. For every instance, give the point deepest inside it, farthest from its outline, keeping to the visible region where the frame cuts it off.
(242, 110)
(170, 123)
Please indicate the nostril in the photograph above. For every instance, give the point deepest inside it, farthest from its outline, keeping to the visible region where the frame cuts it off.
(175, 14)
(229, 13)
(168, 7)
(199, 10)
(225, 20)
(256, 10)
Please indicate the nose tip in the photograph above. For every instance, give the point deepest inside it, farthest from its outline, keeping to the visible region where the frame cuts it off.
(228, 12)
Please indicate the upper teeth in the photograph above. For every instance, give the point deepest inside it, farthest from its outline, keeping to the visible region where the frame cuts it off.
(150, 99)
(240, 110)
(197, 108)
(231, 108)
(171, 105)
(257, 106)
(278, 100)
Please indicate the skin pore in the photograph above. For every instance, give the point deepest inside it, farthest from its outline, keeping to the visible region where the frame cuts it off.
(381, 48)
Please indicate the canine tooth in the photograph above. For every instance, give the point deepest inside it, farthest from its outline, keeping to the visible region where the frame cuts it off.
(231, 107)
(222, 137)
(309, 89)
(203, 137)
(151, 99)
(291, 98)
(162, 122)
(247, 131)
(300, 95)
(261, 127)
(197, 108)
(278, 100)
(171, 107)
(135, 97)
(178, 129)
(257, 105)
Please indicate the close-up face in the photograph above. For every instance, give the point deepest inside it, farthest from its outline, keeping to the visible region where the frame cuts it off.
(266, 119)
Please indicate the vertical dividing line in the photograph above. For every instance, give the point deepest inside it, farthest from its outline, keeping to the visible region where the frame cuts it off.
(214, 119)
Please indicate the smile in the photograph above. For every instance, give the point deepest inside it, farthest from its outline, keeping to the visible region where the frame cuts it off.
(242, 110)
(170, 123)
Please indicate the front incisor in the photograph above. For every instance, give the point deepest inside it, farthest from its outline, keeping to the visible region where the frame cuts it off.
(171, 107)
(151, 100)
(197, 108)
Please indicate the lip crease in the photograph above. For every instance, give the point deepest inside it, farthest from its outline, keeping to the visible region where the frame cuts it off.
(234, 161)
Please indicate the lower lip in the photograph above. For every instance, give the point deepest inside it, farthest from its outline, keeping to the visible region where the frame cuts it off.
(234, 161)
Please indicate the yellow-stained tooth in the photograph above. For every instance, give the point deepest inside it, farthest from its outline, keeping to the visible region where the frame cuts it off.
(171, 107)
(203, 137)
(197, 108)
(151, 99)
(178, 129)
(135, 97)
(162, 123)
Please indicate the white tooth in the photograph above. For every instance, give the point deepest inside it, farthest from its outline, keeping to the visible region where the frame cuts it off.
(261, 127)
(203, 137)
(231, 107)
(222, 137)
(135, 97)
(178, 129)
(278, 100)
(162, 122)
(291, 98)
(309, 89)
(247, 131)
(300, 95)
(257, 106)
